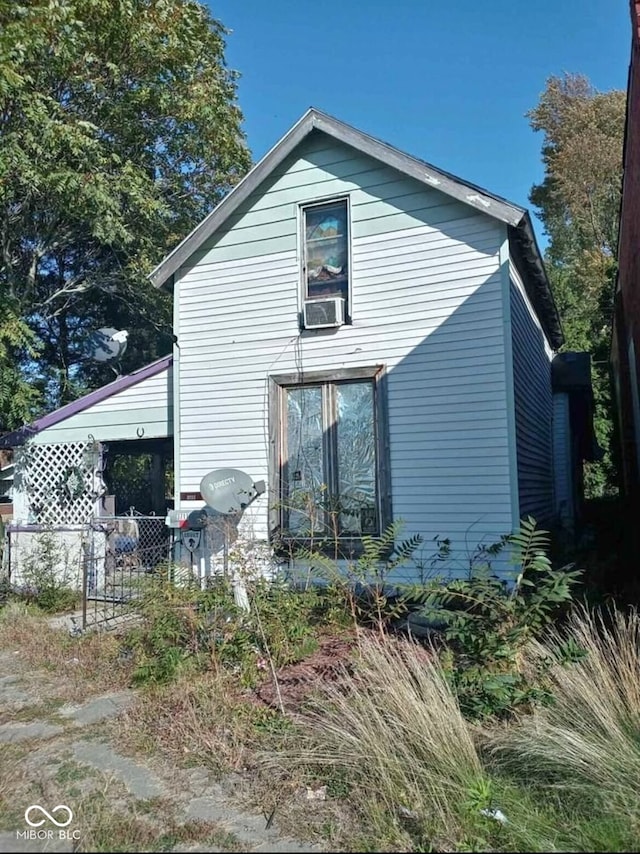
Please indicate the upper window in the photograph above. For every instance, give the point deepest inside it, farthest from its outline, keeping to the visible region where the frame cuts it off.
(326, 250)
(330, 460)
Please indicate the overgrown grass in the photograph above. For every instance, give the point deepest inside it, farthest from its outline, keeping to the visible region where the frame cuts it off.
(105, 818)
(81, 666)
(106, 824)
(395, 731)
(12, 778)
(586, 744)
(396, 740)
(422, 778)
(201, 719)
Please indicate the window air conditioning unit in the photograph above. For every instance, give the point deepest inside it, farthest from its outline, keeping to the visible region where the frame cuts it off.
(323, 313)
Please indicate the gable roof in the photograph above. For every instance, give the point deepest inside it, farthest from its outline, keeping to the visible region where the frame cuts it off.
(22, 434)
(515, 217)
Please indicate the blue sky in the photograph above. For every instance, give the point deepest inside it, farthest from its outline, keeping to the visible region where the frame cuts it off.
(449, 82)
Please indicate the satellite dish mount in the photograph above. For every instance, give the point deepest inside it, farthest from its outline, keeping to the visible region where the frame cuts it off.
(227, 493)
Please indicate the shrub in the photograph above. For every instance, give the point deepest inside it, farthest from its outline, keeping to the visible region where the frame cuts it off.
(366, 584)
(485, 620)
(48, 579)
(185, 627)
(5, 590)
(168, 636)
(487, 624)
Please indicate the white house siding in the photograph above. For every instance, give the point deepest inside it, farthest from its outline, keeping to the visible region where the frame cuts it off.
(146, 406)
(426, 302)
(533, 406)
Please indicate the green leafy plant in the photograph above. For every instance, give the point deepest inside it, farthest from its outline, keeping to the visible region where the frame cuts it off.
(287, 617)
(5, 591)
(487, 623)
(427, 567)
(366, 583)
(186, 628)
(48, 578)
(169, 634)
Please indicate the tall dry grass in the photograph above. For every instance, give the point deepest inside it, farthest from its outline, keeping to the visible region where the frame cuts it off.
(395, 728)
(588, 739)
(567, 777)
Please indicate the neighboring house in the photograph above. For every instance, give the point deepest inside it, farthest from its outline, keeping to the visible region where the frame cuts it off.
(625, 351)
(370, 336)
(359, 328)
(71, 465)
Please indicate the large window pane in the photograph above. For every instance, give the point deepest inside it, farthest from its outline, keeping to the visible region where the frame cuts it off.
(305, 481)
(326, 250)
(356, 458)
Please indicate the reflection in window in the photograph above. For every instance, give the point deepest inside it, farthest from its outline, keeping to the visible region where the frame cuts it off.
(330, 482)
(305, 459)
(355, 446)
(326, 250)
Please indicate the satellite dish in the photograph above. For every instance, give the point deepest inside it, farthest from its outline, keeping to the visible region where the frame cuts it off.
(107, 345)
(229, 491)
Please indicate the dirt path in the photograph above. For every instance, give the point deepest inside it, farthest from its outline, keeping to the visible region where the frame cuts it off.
(59, 758)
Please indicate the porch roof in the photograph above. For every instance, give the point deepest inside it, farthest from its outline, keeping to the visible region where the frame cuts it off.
(18, 437)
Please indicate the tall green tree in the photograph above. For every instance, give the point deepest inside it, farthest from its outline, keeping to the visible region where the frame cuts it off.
(119, 131)
(579, 203)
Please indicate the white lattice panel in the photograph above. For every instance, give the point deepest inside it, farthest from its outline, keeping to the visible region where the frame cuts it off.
(60, 487)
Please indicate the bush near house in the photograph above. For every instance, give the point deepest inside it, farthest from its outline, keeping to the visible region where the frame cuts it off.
(186, 629)
(48, 577)
(488, 624)
(446, 744)
(484, 623)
